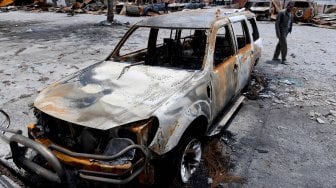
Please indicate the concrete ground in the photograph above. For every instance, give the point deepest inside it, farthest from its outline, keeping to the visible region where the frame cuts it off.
(285, 138)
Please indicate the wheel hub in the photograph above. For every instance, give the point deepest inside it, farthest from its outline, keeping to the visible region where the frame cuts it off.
(191, 159)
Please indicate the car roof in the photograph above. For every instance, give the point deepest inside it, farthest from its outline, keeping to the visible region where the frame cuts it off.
(196, 19)
(257, 1)
(301, 1)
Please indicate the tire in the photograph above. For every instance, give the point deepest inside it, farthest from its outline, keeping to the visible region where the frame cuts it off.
(189, 160)
(176, 169)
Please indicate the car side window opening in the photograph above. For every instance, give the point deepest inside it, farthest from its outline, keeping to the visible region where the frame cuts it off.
(241, 32)
(177, 48)
(252, 26)
(180, 48)
(224, 47)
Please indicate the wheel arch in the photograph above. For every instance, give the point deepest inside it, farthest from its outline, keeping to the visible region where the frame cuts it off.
(196, 128)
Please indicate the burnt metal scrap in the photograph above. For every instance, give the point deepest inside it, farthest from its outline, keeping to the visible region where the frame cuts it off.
(303, 11)
(95, 7)
(147, 102)
(6, 2)
(325, 20)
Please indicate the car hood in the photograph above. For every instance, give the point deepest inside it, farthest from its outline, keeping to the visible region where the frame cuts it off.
(259, 9)
(110, 94)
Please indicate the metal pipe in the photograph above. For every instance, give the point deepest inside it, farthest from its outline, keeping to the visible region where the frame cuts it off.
(14, 131)
(4, 138)
(99, 157)
(97, 176)
(110, 180)
(23, 162)
(112, 174)
(37, 169)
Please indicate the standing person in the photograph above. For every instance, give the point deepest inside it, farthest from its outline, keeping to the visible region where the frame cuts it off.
(283, 26)
(166, 3)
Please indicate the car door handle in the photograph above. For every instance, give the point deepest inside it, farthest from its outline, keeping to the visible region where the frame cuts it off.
(235, 66)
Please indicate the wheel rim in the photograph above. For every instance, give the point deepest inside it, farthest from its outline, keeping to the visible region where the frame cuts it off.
(191, 159)
(299, 13)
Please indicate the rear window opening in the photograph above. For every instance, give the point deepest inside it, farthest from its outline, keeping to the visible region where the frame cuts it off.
(301, 4)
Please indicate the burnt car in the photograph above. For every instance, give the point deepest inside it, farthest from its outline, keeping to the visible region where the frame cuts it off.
(142, 112)
(262, 9)
(303, 11)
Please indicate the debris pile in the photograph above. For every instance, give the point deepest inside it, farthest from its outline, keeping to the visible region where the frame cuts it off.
(218, 163)
(9, 177)
(256, 85)
(325, 20)
(93, 7)
(323, 118)
(87, 6)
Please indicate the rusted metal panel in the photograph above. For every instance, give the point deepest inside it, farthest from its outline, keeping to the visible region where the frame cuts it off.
(303, 11)
(245, 58)
(228, 78)
(4, 3)
(87, 164)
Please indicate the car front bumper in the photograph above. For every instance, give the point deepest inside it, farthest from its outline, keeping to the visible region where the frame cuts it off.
(88, 166)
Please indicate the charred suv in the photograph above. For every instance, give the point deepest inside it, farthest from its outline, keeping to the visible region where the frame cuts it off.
(262, 9)
(171, 80)
(303, 11)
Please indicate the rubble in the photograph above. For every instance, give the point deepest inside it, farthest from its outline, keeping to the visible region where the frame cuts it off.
(323, 20)
(326, 20)
(287, 82)
(9, 178)
(256, 86)
(320, 121)
(332, 112)
(261, 150)
(218, 164)
(95, 7)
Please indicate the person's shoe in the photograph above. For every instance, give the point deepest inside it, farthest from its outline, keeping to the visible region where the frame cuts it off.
(285, 62)
(275, 59)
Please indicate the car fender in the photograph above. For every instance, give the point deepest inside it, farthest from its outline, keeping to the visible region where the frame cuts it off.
(178, 113)
(191, 114)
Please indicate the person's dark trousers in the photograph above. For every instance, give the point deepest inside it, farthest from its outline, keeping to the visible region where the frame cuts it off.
(166, 7)
(281, 47)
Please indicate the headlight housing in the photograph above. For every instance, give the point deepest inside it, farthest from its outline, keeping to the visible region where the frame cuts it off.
(141, 132)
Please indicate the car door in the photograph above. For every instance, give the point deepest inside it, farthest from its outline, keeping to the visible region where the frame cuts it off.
(225, 69)
(244, 51)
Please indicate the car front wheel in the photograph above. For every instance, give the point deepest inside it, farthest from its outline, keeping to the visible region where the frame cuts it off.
(177, 168)
(190, 159)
